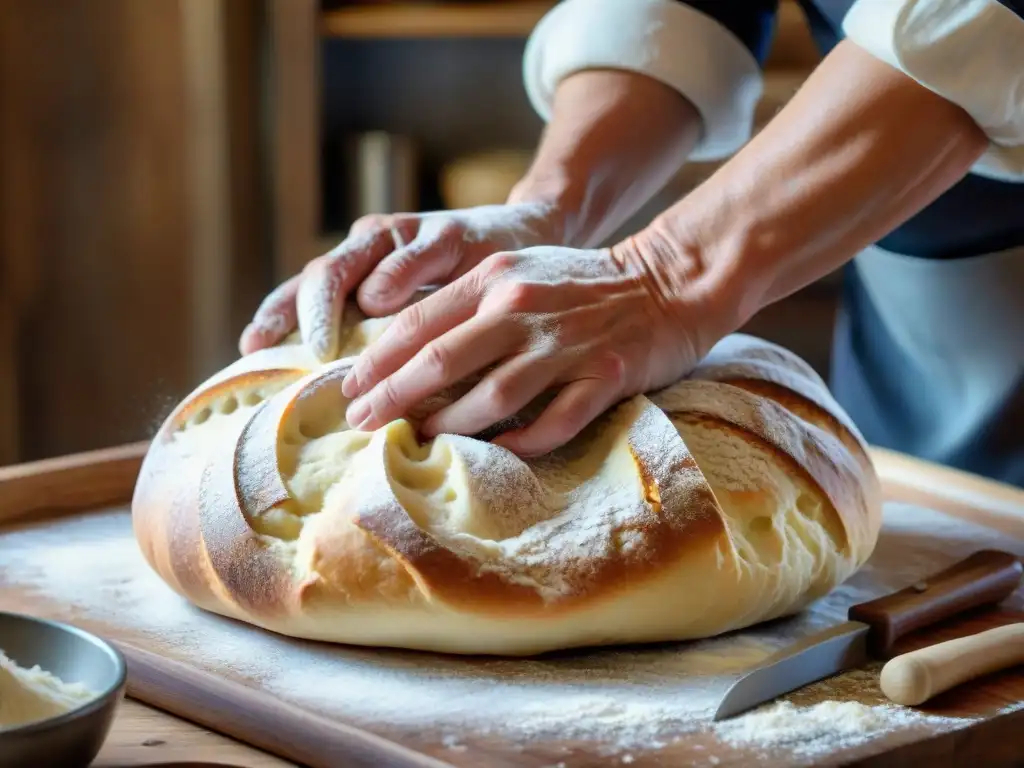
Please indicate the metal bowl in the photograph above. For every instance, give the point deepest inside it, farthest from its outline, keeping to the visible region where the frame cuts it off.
(75, 737)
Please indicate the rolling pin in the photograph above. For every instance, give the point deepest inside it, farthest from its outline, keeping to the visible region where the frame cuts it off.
(915, 677)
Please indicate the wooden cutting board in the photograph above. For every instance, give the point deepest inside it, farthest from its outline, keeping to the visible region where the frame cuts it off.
(326, 706)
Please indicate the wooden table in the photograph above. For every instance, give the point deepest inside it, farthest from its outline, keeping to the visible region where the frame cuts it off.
(145, 736)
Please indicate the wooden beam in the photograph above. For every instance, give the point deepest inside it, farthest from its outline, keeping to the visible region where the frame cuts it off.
(294, 114)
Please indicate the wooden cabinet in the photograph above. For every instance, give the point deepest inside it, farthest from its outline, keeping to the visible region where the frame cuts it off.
(130, 212)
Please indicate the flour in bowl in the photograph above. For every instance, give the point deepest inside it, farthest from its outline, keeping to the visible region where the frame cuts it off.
(30, 695)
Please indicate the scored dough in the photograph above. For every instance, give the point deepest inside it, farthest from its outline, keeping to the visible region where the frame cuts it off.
(29, 695)
(735, 496)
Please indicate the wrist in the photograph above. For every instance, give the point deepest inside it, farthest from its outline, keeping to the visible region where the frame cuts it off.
(558, 202)
(690, 286)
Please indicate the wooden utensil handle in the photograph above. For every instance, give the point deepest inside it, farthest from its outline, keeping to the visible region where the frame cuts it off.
(913, 678)
(986, 577)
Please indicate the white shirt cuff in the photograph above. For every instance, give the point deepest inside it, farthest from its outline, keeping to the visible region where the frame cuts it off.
(663, 39)
(970, 52)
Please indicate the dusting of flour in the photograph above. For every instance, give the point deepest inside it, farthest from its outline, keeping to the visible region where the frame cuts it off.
(823, 727)
(623, 702)
(624, 698)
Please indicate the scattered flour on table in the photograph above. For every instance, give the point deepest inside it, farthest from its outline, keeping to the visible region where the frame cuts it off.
(623, 702)
(820, 728)
(835, 714)
(636, 697)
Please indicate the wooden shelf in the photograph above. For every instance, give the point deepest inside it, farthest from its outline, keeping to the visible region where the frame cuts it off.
(411, 20)
(794, 47)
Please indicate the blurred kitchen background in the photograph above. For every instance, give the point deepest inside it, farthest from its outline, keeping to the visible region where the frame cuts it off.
(165, 163)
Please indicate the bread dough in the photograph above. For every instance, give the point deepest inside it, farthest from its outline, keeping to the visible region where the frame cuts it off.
(737, 495)
(28, 695)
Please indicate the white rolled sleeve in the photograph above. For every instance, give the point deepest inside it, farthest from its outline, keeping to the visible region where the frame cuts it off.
(970, 52)
(664, 39)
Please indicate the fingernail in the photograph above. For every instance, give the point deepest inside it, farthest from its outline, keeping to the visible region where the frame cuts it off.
(245, 340)
(350, 385)
(378, 288)
(253, 338)
(378, 295)
(253, 329)
(357, 413)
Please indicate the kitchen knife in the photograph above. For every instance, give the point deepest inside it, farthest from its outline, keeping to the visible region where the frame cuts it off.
(985, 578)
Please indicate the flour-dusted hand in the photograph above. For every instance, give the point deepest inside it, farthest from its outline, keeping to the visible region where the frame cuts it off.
(595, 325)
(386, 260)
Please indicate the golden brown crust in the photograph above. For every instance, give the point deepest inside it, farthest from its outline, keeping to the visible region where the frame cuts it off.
(207, 481)
(226, 389)
(830, 468)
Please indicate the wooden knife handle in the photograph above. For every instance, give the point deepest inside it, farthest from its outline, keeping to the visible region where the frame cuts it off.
(985, 578)
(913, 678)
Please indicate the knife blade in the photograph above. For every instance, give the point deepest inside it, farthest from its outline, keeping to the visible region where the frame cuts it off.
(984, 578)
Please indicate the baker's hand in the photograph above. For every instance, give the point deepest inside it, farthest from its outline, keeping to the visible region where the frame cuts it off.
(596, 325)
(389, 258)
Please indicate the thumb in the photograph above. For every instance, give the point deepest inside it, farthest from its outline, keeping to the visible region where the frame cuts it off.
(325, 284)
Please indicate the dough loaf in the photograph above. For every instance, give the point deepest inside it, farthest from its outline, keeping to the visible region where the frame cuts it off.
(29, 695)
(738, 495)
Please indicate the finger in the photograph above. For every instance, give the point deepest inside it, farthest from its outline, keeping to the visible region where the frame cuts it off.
(501, 394)
(327, 281)
(569, 413)
(445, 361)
(273, 320)
(372, 222)
(413, 328)
(395, 279)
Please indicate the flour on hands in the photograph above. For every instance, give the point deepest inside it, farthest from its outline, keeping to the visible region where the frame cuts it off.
(387, 259)
(590, 326)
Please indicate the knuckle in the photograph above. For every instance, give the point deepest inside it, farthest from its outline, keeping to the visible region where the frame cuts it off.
(545, 336)
(365, 370)
(369, 222)
(568, 422)
(314, 266)
(337, 269)
(555, 335)
(410, 322)
(500, 262)
(436, 360)
(388, 398)
(515, 297)
(450, 229)
(500, 393)
(612, 368)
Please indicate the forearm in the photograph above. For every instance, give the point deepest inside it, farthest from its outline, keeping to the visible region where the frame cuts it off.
(614, 140)
(859, 150)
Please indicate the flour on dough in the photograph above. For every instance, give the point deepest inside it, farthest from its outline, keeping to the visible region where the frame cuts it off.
(28, 695)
